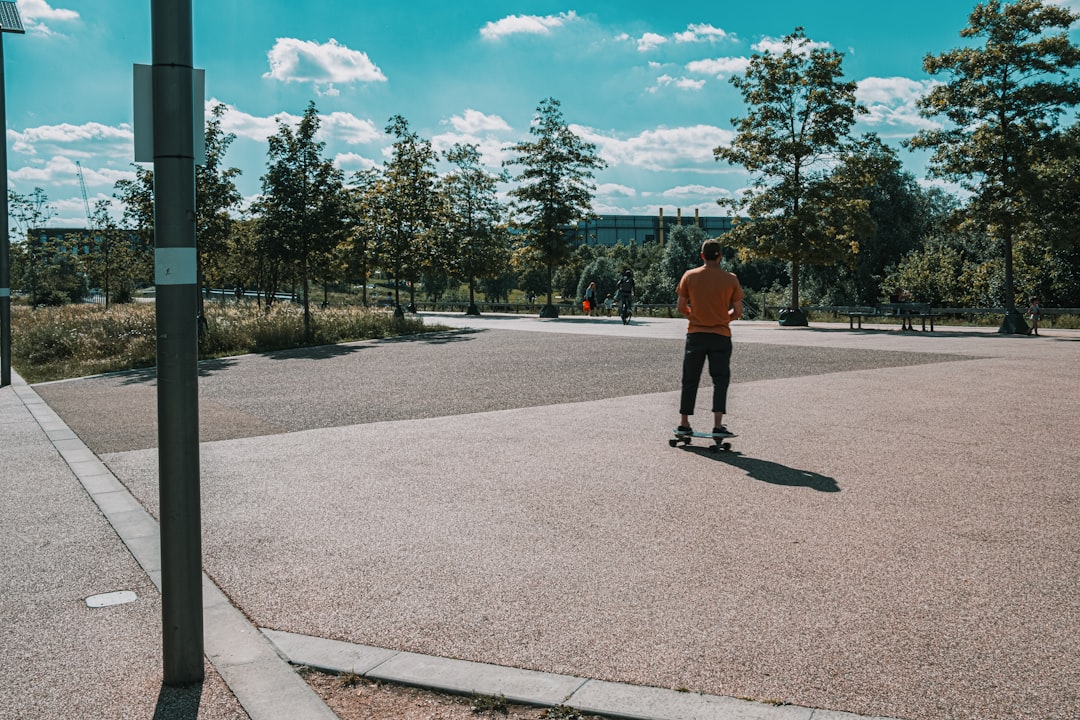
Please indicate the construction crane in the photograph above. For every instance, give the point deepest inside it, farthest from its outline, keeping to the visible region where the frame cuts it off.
(86, 201)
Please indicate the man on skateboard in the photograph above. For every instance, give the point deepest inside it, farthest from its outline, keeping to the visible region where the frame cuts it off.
(710, 298)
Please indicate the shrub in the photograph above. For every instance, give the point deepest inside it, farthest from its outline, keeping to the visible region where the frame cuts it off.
(78, 340)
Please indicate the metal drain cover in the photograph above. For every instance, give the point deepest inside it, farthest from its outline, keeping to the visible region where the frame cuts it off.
(114, 598)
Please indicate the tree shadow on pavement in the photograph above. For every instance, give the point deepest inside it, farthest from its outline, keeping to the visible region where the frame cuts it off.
(149, 375)
(439, 337)
(179, 703)
(774, 473)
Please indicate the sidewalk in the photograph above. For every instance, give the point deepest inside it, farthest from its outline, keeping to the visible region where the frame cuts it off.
(477, 537)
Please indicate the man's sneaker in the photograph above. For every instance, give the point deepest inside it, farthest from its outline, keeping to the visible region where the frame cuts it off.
(683, 430)
(722, 430)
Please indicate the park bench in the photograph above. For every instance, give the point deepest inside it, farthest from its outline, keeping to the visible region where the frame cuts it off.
(908, 312)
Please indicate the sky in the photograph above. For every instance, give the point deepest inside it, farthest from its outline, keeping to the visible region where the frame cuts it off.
(647, 82)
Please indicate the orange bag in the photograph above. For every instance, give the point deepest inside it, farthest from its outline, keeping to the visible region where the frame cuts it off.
(585, 305)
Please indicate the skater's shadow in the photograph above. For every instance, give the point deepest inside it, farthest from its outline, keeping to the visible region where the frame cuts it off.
(777, 474)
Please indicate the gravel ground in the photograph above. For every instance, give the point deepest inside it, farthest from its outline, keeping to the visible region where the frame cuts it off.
(895, 534)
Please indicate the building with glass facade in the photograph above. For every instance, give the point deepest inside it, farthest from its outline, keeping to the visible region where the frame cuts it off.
(640, 229)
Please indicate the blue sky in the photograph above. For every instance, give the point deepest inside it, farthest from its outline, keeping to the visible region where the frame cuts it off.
(646, 81)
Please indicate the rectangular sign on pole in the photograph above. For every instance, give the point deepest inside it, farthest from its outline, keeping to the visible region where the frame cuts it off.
(143, 120)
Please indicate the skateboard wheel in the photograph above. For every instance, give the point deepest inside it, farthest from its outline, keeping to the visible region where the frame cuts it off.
(672, 442)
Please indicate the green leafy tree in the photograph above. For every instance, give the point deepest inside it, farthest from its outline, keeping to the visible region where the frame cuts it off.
(553, 190)
(408, 197)
(216, 201)
(900, 216)
(471, 220)
(367, 219)
(27, 254)
(301, 214)
(799, 117)
(603, 271)
(1002, 101)
(114, 260)
(682, 251)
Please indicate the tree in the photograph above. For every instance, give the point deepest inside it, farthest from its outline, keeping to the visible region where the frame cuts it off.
(800, 114)
(302, 209)
(137, 198)
(408, 195)
(553, 190)
(28, 212)
(216, 199)
(114, 260)
(366, 218)
(1002, 101)
(900, 214)
(471, 219)
(682, 251)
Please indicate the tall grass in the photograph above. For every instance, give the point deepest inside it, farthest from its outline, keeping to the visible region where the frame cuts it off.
(54, 343)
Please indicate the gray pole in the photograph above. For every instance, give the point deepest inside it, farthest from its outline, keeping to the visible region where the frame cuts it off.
(5, 267)
(177, 343)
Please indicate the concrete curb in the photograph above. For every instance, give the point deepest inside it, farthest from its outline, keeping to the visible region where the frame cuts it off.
(528, 687)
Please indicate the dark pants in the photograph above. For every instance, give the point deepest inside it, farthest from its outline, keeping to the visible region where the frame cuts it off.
(717, 348)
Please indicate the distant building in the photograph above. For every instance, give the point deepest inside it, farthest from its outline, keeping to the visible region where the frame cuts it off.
(81, 240)
(640, 229)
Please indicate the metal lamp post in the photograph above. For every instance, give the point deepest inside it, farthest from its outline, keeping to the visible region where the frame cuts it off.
(9, 22)
(177, 342)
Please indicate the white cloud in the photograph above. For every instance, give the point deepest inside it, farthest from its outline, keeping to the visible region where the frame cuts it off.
(649, 41)
(352, 162)
(492, 149)
(662, 148)
(893, 103)
(615, 189)
(719, 67)
(683, 83)
(252, 127)
(474, 121)
(525, 24)
(350, 129)
(340, 126)
(293, 60)
(61, 170)
(34, 14)
(777, 46)
(49, 138)
(701, 33)
(694, 33)
(694, 192)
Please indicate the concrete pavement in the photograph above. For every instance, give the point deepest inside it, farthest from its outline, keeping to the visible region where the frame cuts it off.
(895, 535)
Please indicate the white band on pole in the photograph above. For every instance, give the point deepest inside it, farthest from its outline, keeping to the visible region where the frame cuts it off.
(175, 266)
(5, 292)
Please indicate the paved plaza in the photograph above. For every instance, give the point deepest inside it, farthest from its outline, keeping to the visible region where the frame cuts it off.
(894, 534)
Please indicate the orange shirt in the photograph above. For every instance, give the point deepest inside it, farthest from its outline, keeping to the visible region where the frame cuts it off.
(710, 291)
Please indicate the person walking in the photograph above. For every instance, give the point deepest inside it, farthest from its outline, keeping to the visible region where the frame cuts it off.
(590, 297)
(1034, 312)
(710, 298)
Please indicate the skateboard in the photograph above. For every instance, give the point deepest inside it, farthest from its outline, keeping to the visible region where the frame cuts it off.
(681, 436)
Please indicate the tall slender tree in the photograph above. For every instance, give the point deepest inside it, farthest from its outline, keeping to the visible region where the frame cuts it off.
(302, 209)
(800, 113)
(472, 219)
(1002, 101)
(409, 203)
(553, 190)
(216, 201)
(366, 219)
